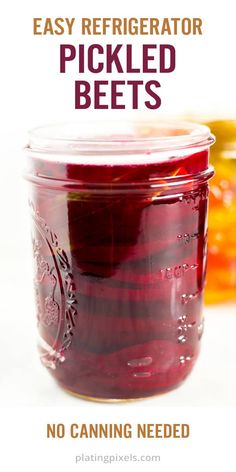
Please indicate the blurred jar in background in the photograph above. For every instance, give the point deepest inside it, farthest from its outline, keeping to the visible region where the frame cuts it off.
(221, 274)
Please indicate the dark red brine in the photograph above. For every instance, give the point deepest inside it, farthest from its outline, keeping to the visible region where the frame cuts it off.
(119, 243)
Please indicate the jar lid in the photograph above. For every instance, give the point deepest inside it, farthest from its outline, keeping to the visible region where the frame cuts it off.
(118, 138)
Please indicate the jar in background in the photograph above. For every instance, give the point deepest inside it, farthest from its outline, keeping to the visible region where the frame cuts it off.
(221, 275)
(119, 216)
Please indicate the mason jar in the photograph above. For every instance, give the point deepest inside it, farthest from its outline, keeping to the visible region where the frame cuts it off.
(119, 231)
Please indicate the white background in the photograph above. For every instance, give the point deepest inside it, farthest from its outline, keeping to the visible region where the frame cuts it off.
(32, 93)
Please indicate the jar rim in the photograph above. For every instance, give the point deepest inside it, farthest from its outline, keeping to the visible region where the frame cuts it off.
(97, 138)
(176, 183)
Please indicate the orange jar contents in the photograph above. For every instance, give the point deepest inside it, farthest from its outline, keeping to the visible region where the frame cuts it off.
(221, 276)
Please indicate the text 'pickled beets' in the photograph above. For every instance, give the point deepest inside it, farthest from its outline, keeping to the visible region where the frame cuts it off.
(115, 60)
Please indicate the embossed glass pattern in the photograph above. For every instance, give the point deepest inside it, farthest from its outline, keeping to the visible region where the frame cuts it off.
(119, 243)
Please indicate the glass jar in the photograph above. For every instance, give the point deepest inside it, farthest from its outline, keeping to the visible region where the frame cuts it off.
(119, 215)
(221, 278)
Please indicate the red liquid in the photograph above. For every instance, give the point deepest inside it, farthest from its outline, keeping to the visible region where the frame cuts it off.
(120, 275)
